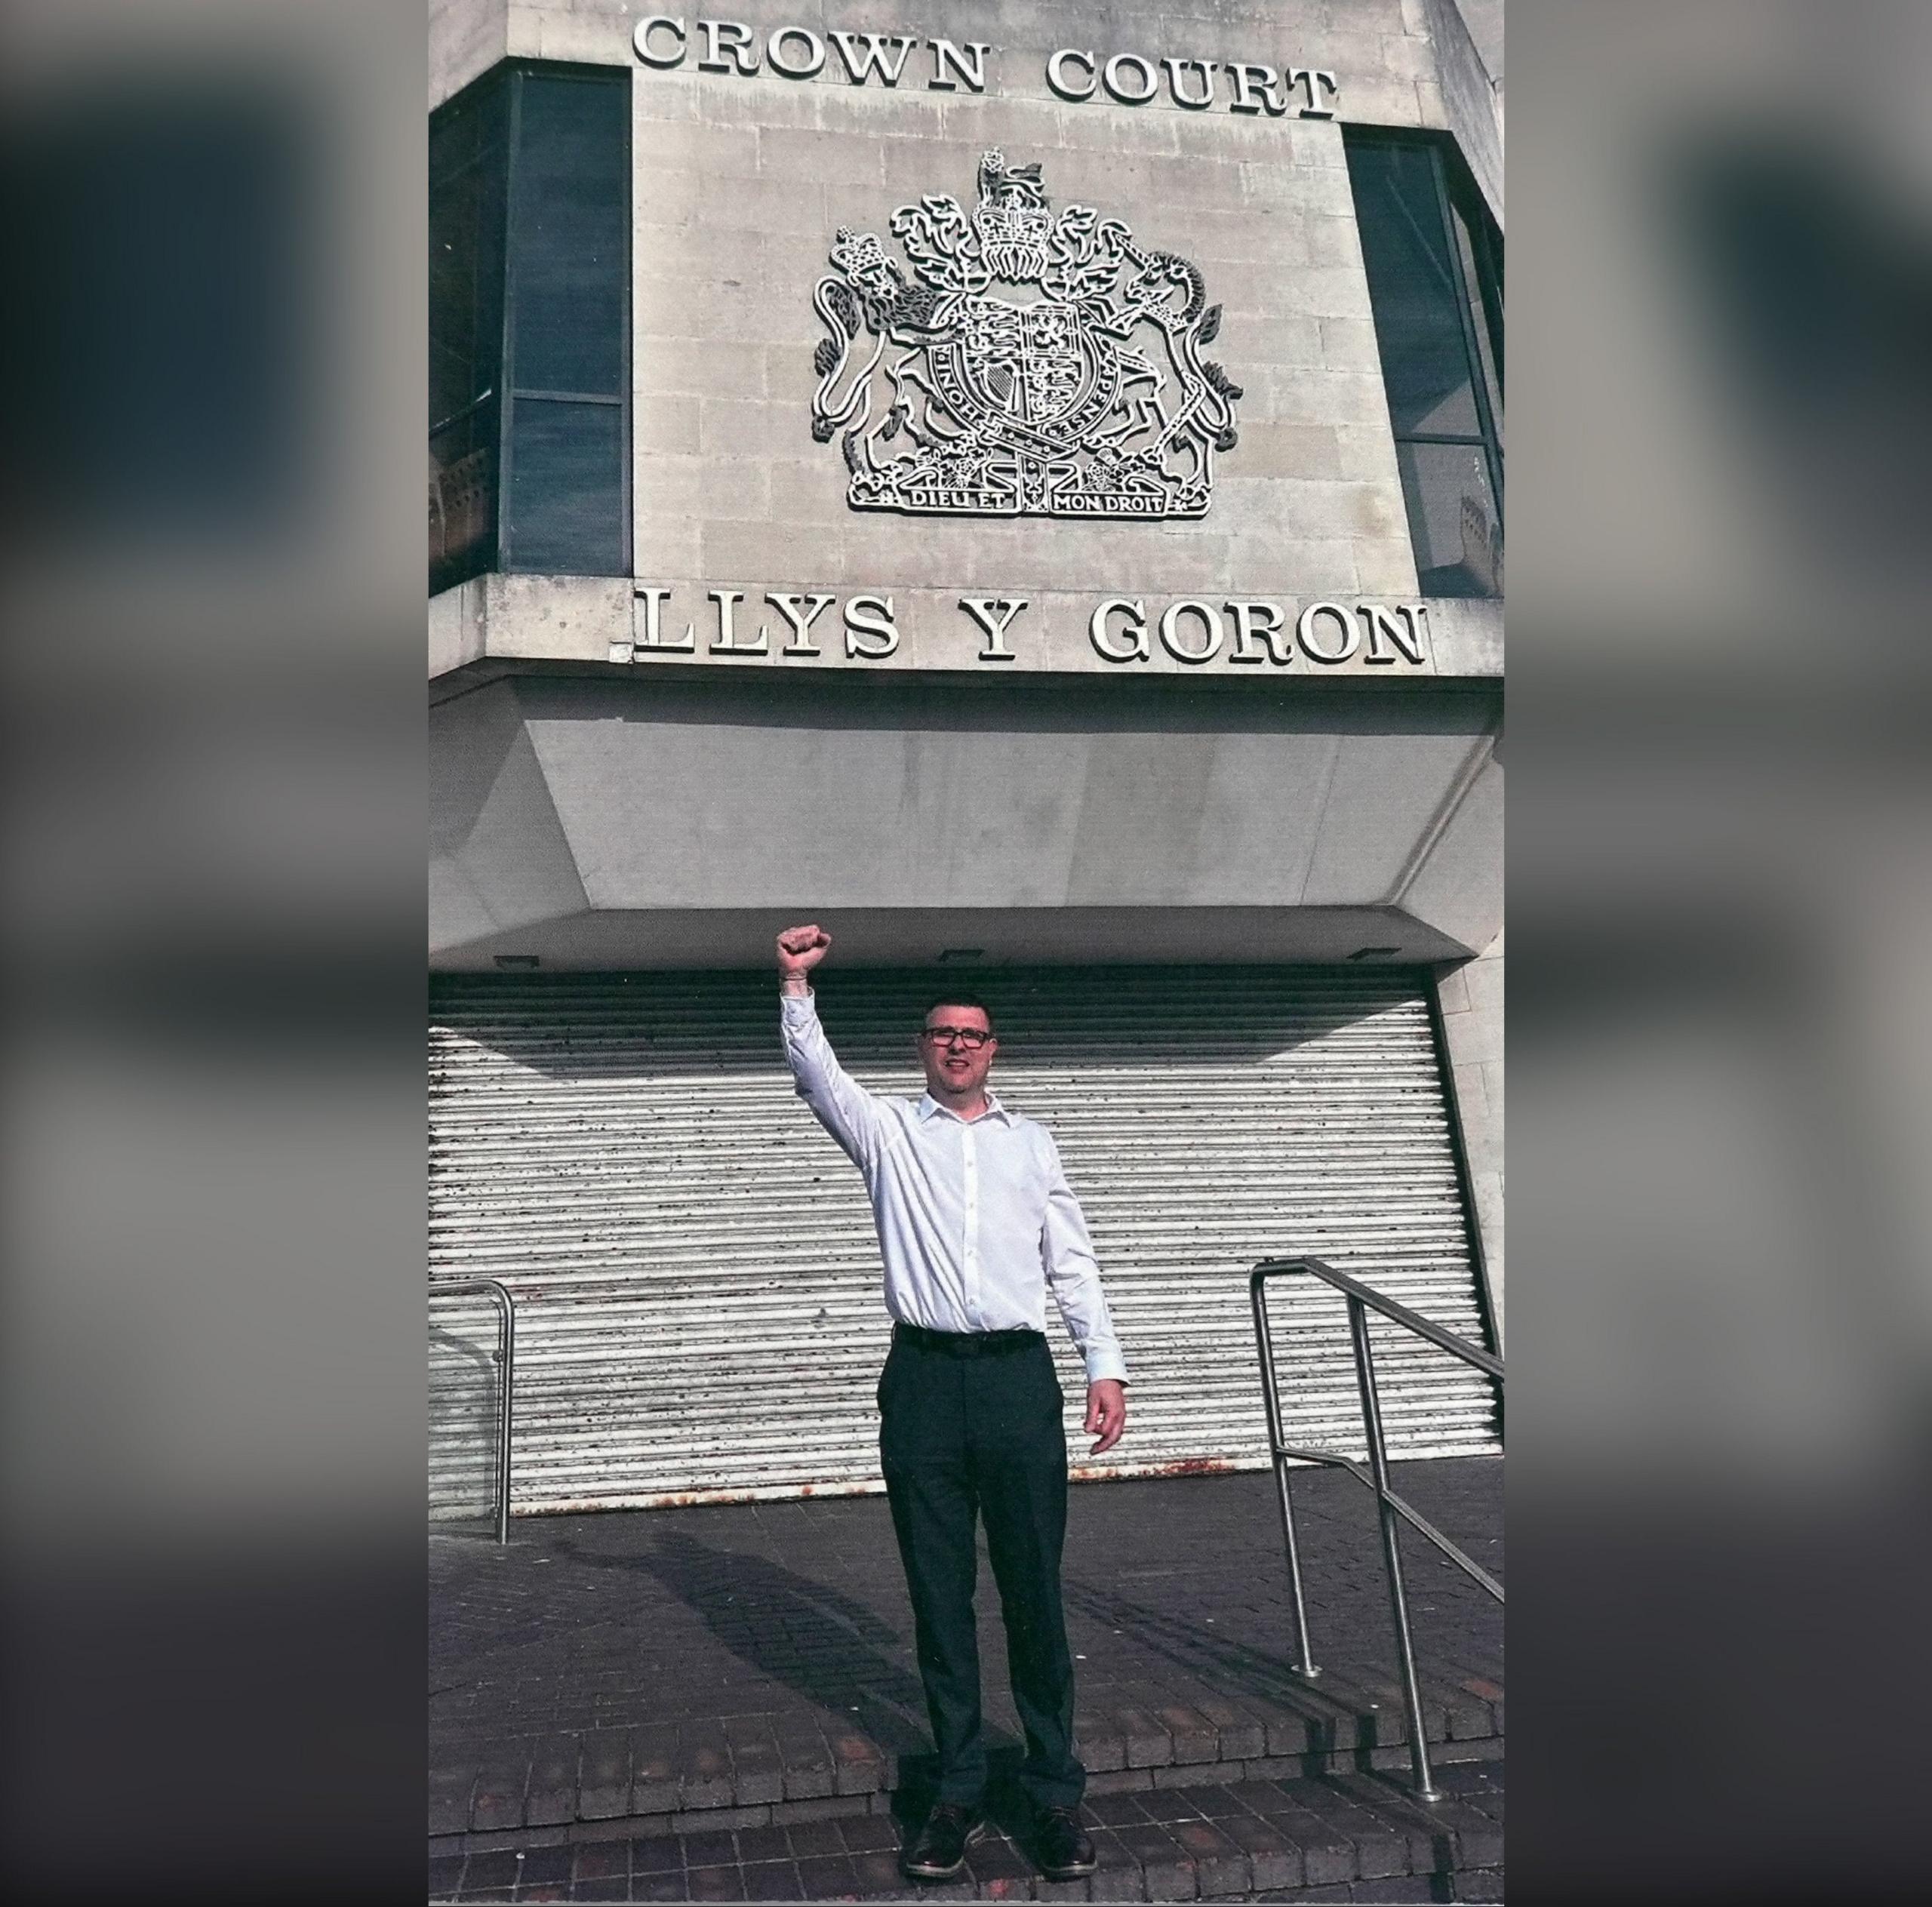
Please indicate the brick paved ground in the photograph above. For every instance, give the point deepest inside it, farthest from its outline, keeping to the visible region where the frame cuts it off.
(733, 1667)
(1349, 1837)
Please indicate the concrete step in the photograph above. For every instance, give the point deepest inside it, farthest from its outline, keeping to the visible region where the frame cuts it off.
(1345, 1837)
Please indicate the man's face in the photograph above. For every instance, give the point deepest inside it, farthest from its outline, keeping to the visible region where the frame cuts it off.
(955, 1068)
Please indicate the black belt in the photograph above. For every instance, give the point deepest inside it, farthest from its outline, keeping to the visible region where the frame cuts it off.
(967, 1344)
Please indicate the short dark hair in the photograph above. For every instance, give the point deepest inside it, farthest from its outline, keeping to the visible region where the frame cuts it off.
(957, 997)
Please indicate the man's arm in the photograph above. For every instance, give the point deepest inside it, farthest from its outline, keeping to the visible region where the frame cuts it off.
(842, 1105)
(1073, 1273)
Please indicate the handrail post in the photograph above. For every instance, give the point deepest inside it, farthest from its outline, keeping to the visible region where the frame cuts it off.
(1392, 1552)
(499, 1294)
(509, 1359)
(1276, 1438)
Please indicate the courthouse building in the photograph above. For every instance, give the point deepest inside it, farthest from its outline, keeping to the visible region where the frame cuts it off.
(1019, 485)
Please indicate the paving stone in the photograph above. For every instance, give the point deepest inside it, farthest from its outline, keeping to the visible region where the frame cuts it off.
(1194, 1736)
(1189, 1774)
(1239, 1734)
(810, 1839)
(1220, 1866)
(1216, 1800)
(878, 1872)
(757, 1773)
(659, 1887)
(551, 1798)
(1327, 1854)
(767, 1844)
(995, 1859)
(719, 1883)
(1113, 1811)
(860, 1765)
(1425, 1829)
(1102, 1752)
(600, 1860)
(710, 1849)
(544, 1867)
(702, 1820)
(657, 1854)
(653, 1770)
(868, 1834)
(773, 1880)
(828, 1876)
(1148, 1744)
(497, 1801)
(704, 1765)
(1274, 1860)
(1168, 1871)
(1382, 1847)
(1476, 1837)
(1119, 1875)
(1166, 1805)
(449, 1799)
(1046, 1889)
(491, 1870)
(604, 1776)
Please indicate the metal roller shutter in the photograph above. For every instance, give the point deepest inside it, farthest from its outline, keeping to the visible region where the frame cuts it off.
(698, 1311)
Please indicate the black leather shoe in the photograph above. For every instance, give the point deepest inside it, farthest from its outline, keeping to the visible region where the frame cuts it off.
(938, 1851)
(1065, 1848)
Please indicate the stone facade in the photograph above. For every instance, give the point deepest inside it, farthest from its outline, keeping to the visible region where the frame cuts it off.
(1310, 786)
(743, 180)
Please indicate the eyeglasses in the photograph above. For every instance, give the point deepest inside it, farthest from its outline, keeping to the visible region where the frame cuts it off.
(971, 1037)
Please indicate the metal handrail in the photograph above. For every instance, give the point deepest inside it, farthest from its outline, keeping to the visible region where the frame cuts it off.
(1363, 1299)
(505, 1356)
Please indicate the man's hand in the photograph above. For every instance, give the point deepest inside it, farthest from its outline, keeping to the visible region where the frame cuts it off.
(1106, 1411)
(800, 949)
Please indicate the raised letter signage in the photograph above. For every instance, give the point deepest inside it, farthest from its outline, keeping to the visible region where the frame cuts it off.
(1127, 634)
(1075, 73)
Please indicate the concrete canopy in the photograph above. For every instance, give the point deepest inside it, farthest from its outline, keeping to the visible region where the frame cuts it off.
(638, 823)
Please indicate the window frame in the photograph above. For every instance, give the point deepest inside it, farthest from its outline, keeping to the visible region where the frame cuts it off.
(519, 71)
(499, 551)
(1456, 196)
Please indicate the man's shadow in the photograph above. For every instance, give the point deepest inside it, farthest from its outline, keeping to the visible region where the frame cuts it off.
(835, 1652)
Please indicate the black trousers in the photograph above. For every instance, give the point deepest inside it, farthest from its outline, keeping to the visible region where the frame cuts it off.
(961, 1436)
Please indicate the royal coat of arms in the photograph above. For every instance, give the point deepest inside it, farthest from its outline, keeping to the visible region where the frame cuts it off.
(1033, 365)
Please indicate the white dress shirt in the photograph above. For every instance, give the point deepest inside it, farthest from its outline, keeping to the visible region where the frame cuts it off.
(975, 1217)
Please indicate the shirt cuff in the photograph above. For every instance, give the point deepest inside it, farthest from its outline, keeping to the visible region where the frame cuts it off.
(1105, 1364)
(797, 1005)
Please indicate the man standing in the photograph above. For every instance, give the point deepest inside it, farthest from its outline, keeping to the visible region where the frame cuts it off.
(976, 1221)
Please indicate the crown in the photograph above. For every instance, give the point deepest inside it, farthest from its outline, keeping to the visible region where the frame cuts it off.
(1013, 221)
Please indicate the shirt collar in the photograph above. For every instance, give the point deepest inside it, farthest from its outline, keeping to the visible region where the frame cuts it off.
(929, 1107)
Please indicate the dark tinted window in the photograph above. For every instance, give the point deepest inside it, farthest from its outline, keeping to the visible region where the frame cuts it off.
(468, 167)
(529, 281)
(566, 495)
(1433, 260)
(570, 227)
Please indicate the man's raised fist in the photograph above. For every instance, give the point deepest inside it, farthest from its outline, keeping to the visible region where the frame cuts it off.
(801, 948)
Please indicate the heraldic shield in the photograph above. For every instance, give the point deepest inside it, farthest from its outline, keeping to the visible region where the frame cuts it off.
(1031, 366)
